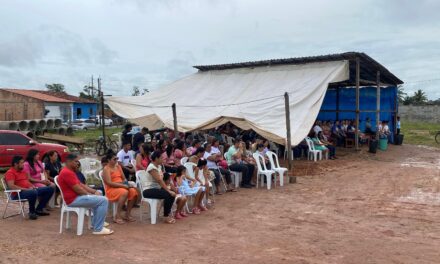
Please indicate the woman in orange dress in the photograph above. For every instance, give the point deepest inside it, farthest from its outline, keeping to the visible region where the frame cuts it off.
(118, 189)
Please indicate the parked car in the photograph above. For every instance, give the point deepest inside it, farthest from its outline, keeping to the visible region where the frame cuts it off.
(14, 143)
(83, 125)
(107, 121)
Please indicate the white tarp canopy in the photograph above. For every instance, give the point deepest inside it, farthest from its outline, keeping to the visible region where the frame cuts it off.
(248, 97)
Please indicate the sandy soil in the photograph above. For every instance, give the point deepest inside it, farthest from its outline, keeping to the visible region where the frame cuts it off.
(361, 208)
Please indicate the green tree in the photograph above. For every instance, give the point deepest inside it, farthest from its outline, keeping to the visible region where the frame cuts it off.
(89, 92)
(419, 98)
(135, 91)
(401, 94)
(56, 87)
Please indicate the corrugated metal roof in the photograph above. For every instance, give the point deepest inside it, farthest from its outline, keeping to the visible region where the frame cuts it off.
(369, 66)
(38, 95)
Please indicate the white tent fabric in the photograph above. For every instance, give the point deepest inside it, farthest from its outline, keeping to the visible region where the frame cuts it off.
(251, 96)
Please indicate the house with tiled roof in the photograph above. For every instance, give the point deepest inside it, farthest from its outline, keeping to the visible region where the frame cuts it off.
(82, 108)
(23, 104)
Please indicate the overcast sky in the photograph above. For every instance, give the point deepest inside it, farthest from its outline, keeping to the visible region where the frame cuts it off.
(149, 43)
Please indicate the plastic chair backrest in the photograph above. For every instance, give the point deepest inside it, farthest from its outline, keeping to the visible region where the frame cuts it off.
(85, 164)
(102, 180)
(5, 187)
(184, 160)
(273, 161)
(190, 169)
(258, 158)
(61, 190)
(139, 178)
(310, 144)
(133, 162)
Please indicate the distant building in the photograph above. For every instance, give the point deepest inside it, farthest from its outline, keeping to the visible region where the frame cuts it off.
(21, 104)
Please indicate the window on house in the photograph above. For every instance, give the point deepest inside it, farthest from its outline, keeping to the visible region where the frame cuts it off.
(91, 111)
(78, 113)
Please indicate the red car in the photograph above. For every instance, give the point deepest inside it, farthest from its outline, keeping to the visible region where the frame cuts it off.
(14, 143)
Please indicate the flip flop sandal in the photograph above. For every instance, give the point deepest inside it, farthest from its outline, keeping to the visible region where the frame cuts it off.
(119, 221)
(170, 221)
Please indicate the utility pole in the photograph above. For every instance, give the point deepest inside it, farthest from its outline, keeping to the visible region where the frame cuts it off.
(93, 89)
(101, 117)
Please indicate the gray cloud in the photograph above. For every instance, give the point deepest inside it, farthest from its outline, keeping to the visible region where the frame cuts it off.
(149, 43)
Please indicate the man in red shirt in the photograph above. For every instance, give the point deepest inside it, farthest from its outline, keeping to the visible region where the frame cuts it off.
(77, 194)
(17, 179)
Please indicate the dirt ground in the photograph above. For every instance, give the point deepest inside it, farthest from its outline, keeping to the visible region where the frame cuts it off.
(361, 208)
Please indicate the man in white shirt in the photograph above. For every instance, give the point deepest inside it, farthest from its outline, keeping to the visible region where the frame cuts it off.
(317, 128)
(125, 156)
(213, 155)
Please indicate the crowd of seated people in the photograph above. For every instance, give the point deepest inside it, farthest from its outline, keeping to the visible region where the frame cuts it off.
(166, 177)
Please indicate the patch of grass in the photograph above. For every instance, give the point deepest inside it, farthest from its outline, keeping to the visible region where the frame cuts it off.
(420, 133)
(91, 135)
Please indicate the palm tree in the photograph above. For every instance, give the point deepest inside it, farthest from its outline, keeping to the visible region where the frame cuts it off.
(419, 97)
(401, 94)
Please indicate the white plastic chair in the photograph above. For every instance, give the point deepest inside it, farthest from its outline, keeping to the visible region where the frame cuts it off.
(152, 202)
(274, 148)
(114, 205)
(183, 160)
(133, 163)
(275, 166)
(317, 154)
(8, 194)
(237, 175)
(89, 166)
(80, 211)
(230, 140)
(263, 171)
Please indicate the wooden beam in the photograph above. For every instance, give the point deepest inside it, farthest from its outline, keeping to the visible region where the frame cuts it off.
(337, 103)
(289, 140)
(356, 136)
(176, 131)
(377, 104)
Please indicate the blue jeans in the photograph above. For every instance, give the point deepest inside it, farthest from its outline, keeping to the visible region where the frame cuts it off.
(99, 205)
(43, 193)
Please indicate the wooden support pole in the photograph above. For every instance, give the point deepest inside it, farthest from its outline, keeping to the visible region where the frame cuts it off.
(102, 122)
(176, 131)
(396, 112)
(377, 104)
(357, 102)
(291, 179)
(337, 103)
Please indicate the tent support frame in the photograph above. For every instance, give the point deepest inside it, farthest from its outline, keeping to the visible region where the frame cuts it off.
(357, 102)
(176, 131)
(292, 179)
(377, 104)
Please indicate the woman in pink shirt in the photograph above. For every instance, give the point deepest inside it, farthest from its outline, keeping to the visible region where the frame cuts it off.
(35, 170)
(179, 152)
(143, 157)
(169, 161)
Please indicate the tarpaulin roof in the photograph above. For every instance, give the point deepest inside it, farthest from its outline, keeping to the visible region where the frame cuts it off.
(251, 98)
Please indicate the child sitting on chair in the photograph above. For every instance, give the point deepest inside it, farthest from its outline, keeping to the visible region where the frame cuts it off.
(190, 188)
(204, 177)
(180, 198)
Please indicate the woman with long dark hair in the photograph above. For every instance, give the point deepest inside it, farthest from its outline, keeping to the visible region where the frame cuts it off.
(143, 157)
(169, 161)
(118, 189)
(155, 187)
(53, 166)
(35, 170)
